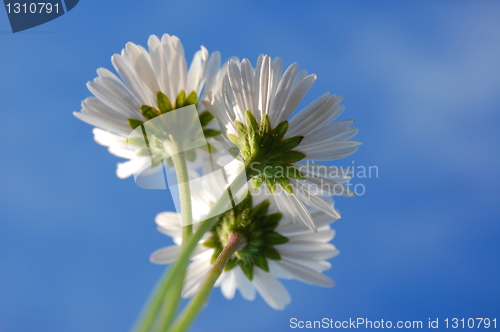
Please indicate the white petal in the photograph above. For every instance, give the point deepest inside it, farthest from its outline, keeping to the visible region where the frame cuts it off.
(128, 168)
(228, 287)
(236, 88)
(262, 76)
(334, 153)
(310, 119)
(328, 132)
(212, 72)
(297, 210)
(195, 274)
(165, 255)
(168, 220)
(322, 235)
(328, 146)
(296, 96)
(278, 104)
(308, 250)
(245, 286)
(108, 139)
(196, 73)
(305, 274)
(247, 77)
(129, 76)
(322, 186)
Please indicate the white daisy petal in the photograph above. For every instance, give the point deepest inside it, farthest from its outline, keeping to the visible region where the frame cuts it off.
(141, 75)
(245, 286)
(271, 290)
(133, 166)
(302, 257)
(228, 287)
(295, 97)
(168, 220)
(282, 91)
(306, 275)
(165, 255)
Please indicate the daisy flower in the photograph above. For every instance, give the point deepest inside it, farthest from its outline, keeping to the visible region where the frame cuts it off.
(152, 82)
(274, 248)
(253, 109)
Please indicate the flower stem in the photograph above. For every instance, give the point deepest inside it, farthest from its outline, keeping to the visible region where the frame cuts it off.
(181, 171)
(179, 267)
(172, 298)
(166, 298)
(148, 315)
(235, 242)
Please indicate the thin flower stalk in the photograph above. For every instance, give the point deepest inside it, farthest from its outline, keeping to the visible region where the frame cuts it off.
(170, 279)
(200, 299)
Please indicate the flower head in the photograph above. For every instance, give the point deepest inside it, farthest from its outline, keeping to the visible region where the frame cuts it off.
(274, 248)
(253, 109)
(153, 82)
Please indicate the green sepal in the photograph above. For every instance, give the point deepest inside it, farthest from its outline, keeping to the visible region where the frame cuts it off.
(192, 99)
(164, 103)
(137, 141)
(181, 99)
(144, 152)
(231, 264)
(271, 184)
(247, 269)
(251, 122)
(205, 118)
(293, 156)
(253, 131)
(216, 254)
(271, 253)
(257, 182)
(275, 238)
(265, 125)
(261, 262)
(280, 130)
(212, 242)
(234, 139)
(211, 132)
(241, 129)
(260, 210)
(290, 143)
(133, 123)
(284, 182)
(270, 222)
(149, 112)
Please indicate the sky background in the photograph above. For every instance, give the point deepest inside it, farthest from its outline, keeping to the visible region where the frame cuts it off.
(422, 80)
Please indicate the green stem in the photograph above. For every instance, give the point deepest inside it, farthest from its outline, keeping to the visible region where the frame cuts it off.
(180, 265)
(181, 171)
(168, 290)
(235, 242)
(155, 300)
(173, 295)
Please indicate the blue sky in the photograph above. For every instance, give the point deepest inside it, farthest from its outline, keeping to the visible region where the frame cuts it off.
(420, 78)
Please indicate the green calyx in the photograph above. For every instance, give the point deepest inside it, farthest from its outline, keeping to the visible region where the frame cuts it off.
(165, 106)
(257, 227)
(266, 153)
